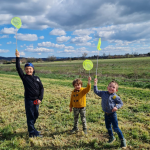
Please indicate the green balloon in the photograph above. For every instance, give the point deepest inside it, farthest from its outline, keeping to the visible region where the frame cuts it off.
(16, 21)
(87, 64)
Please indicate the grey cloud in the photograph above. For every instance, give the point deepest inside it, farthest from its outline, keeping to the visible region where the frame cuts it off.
(128, 32)
(76, 14)
(132, 6)
(28, 7)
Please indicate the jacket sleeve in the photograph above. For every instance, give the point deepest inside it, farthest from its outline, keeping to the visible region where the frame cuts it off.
(41, 90)
(118, 102)
(97, 92)
(19, 70)
(71, 104)
(87, 89)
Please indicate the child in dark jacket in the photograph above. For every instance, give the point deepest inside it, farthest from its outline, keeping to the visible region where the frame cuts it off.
(33, 94)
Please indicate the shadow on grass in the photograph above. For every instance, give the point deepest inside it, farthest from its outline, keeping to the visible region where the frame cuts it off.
(9, 136)
(98, 143)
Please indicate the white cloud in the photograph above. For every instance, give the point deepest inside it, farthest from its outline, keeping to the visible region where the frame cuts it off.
(9, 42)
(26, 37)
(81, 49)
(39, 53)
(30, 46)
(69, 51)
(22, 45)
(0, 44)
(39, 50)
(22, 54)
(63, 39)
(8, 31)
(69, 47)
(81, 41)
(4, 51)
(41, 37)
(84, 44)
(77, 51)
(59, 51)
(57, 32)
(49, 44)
(4, 36)
(96, 52)
(83, 32)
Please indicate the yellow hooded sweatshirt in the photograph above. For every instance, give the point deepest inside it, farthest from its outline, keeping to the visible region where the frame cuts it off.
(78, 98)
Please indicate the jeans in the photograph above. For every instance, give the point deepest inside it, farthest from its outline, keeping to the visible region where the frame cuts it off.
(112, 119)
(31, 114)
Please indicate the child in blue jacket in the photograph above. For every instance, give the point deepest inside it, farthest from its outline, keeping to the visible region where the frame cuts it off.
(111, 102)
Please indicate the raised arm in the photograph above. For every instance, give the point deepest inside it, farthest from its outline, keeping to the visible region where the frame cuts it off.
(87, 89)
(20, 72)
(96, 91)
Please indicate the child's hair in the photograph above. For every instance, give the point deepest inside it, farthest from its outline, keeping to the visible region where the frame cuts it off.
(77, 81)
(117, 85)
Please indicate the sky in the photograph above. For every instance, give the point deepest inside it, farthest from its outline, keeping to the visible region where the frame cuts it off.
(69, 28)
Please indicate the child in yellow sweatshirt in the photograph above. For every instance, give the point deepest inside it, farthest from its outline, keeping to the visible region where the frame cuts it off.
(78, 103)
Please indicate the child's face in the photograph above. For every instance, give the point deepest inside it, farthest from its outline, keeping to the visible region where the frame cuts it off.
(112, 88)
(77, 86)
(29, 70)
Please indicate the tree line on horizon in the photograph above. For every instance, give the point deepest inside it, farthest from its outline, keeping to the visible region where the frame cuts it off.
(83, 57)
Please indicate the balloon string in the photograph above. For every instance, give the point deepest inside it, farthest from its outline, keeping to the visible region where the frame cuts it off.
(16, 38)
(97, 64)
(89, 73)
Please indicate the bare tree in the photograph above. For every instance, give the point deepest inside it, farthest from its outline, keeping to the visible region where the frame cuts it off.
(84, 54)
(31, 59)
(13, 60)
(23, 60)
(40, 59)
(3, 61)
(51, 58)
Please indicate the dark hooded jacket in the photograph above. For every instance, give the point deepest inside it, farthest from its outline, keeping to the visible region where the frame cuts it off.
(32, 84)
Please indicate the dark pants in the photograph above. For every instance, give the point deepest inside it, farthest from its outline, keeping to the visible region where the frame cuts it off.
(112, 119)
(31, 114)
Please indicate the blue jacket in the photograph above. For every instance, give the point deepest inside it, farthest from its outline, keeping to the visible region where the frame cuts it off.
(109, 101)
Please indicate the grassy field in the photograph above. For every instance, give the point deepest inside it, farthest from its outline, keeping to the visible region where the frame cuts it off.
(55, 121)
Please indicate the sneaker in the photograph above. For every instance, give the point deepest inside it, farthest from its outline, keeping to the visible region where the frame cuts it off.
(111, 139)
(123, 143)
(38, 132)
(74, 130)
(33, 135)
(85, 131)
